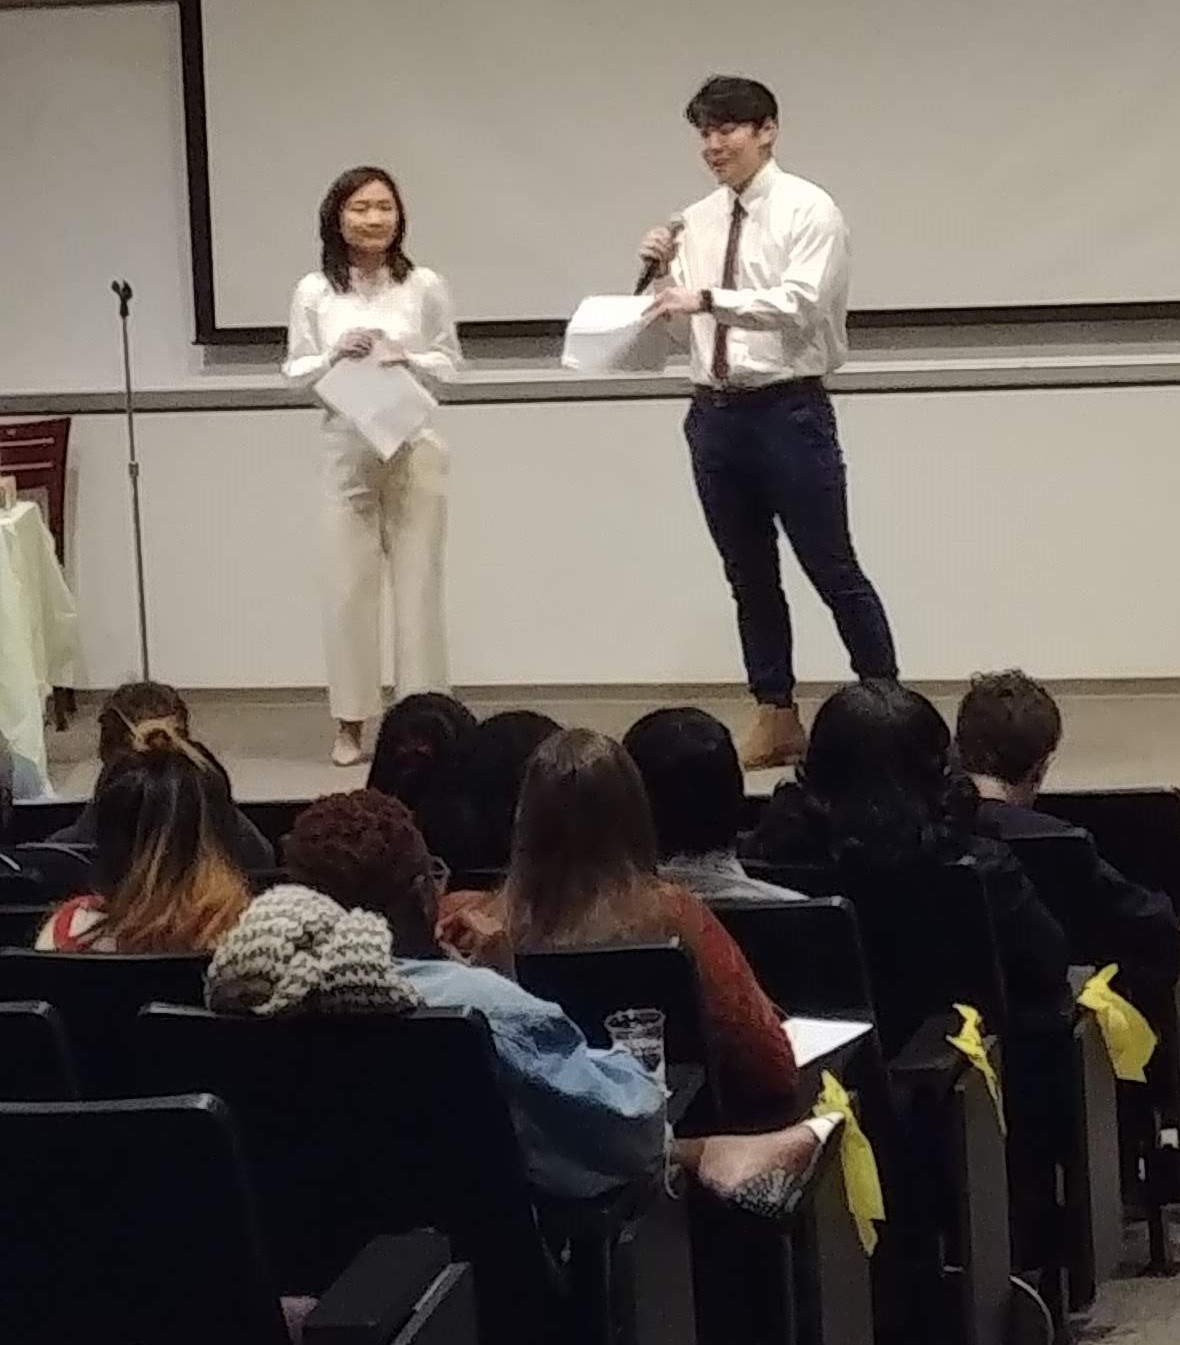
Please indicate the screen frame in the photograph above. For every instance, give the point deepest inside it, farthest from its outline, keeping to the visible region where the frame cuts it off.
(210, 333)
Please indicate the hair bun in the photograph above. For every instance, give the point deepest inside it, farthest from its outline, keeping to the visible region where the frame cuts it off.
(157, 735)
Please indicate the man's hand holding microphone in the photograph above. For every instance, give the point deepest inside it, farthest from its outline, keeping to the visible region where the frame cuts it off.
(656, 251)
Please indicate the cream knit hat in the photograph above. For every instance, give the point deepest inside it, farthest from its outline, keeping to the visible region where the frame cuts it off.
(296, 950)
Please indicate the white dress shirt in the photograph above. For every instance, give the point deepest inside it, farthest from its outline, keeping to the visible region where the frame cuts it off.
(417, 313)
(786, 313)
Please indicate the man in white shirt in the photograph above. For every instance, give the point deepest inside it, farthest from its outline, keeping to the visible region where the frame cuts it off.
(760, 271)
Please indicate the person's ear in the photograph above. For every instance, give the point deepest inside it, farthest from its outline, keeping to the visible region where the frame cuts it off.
(428, 894)
(768, 133)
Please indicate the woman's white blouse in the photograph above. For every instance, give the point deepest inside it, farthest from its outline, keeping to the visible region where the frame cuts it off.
(416, 312)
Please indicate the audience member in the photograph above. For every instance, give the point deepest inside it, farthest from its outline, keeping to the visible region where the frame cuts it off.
(415, 736)
(587, 1119)
(467, 817)
(1009, 729)
(584, 871)
(696, 789)
(153, 703)
(165, 879)
(879, 793)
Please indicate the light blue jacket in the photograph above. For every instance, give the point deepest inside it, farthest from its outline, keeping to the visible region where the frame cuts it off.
(587, 1119)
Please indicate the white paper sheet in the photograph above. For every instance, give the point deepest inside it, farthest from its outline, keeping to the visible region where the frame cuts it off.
(384, 403)
(813, 1038)
(610, 333)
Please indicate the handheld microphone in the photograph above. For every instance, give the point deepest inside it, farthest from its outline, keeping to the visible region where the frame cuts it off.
(653, 266)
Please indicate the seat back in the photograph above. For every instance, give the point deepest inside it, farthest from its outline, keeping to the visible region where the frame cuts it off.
(274, 817)
(927, 937)
(807, 955)
(366, 1124)
(38, 821)
(35, 1060)
(98, 996)
(129, 1221)
(20, 922)
(262, 880)
(17, 887)
(36, 453)
(1136, 830)
(1063, 867)
(60, 871)
(476, 880)
(592, 983)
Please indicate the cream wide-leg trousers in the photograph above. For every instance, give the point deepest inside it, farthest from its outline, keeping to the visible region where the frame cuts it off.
(377, 512)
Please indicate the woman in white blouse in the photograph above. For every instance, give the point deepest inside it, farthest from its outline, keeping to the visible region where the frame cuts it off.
(369, 301)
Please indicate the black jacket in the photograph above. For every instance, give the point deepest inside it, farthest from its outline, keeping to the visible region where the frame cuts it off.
(1119, 920)
(1031, 944)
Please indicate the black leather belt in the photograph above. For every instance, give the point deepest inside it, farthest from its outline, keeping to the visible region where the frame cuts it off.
(766, 395)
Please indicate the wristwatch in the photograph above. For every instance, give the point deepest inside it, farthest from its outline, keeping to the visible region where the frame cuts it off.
(706, 301)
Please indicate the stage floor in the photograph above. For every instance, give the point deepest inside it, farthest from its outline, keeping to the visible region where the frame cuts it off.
(276, 745)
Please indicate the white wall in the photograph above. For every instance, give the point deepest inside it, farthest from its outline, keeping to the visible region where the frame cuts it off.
(1034, 527)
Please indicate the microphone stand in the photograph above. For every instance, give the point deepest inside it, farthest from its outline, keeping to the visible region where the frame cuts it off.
(122, 291)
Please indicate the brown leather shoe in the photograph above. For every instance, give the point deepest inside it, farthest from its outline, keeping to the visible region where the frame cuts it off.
(776, 738)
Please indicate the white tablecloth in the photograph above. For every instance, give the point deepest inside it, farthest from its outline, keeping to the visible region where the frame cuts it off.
(38, 629)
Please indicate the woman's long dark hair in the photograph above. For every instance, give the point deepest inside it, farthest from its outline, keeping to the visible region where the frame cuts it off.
(334, 258)
(880, 786)
(584, 850)
(468, 812)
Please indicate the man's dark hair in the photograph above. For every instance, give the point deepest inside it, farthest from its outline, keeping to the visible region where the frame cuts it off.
(1008, 726)
(693, 778)
(731, 98)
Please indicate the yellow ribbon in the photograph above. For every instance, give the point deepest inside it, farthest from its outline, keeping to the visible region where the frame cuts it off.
(1130, 1042)
(862, 1183)
(970, 1041)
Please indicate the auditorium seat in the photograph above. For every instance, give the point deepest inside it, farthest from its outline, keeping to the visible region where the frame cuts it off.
(98, 996)
(1136, 830)
(918, 963)
(1061, 866)
(380, 1122)
(35, 1060)
(39, 821)
(135, 1221)
(942, 1139)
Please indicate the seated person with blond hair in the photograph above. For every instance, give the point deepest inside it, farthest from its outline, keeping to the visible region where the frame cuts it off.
(166, 881)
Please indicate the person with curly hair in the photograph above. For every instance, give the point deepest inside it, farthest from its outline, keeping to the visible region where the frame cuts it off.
(416, 737)
(369, 301)
(880, 792)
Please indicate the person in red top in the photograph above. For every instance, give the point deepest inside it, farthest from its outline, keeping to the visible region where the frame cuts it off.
(584, 871)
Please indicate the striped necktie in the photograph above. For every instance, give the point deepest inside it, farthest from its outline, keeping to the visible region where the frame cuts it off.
(728, 282)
